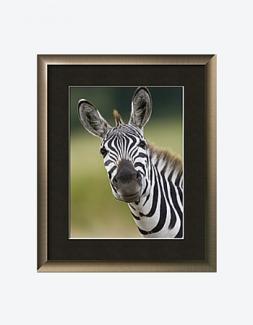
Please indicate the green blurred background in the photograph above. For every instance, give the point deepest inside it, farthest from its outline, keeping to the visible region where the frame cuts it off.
(95, 213)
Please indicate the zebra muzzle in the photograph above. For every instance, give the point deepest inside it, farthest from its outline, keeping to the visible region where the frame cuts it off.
(127, 182)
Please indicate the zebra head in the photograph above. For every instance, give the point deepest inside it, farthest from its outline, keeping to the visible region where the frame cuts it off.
(123, 147)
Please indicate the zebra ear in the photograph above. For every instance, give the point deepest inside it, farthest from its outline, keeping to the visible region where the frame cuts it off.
(141, 107)
(91, 119)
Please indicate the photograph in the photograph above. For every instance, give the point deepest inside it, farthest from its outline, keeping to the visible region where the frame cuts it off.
(126, 162)
(124, 125)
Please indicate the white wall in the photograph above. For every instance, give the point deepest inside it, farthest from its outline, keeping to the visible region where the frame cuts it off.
(28, 28)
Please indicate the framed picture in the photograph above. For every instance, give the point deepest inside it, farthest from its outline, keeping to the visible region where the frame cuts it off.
(126, 163)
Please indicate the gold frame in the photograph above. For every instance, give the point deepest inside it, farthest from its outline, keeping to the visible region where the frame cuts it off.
(44, 265)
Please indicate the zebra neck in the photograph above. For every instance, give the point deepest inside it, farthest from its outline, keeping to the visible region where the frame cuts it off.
(144, 211)
(154, 215)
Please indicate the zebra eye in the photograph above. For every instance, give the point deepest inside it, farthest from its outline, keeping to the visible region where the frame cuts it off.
(142, 144)
(103, 151)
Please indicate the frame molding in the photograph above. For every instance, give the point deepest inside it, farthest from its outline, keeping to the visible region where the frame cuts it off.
(43, 263)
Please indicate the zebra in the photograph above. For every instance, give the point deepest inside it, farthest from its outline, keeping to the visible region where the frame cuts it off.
(150, 180)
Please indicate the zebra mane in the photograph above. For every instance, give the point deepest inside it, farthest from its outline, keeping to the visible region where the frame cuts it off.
(172, 161)
(117, 117)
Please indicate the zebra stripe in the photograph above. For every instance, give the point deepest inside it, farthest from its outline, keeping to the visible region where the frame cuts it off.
(159, 211)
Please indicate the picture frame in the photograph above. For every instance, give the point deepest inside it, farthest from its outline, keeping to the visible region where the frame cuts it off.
(56, 251)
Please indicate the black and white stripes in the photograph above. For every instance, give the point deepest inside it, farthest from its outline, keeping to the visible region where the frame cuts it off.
(148, 179)
(161, 213)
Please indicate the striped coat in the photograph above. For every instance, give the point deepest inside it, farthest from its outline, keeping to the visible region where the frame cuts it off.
(148, 179)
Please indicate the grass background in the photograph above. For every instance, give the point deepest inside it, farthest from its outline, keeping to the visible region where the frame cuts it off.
(94, 210)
